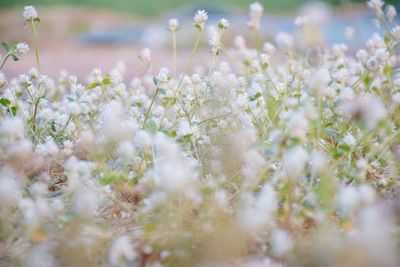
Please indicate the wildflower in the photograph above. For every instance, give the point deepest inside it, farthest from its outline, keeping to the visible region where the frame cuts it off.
(121, 250)
(200, 19)
(281, 242)
(9, 189)
(375, 4)
(349, 139)
(284, 41)
(145, 54)
(391, 12)
(223, 24)
(396, 32)
(256, 10)
(302, 21)
(22, 48)
(30, 13)
(173, 25)
(294, 162)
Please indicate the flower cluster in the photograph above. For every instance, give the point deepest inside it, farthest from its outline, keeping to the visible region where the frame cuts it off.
(281, 155)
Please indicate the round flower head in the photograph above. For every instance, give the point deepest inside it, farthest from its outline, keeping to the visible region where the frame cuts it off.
(30, 13)
(173, 25)
(22, 48)
(145, 54)
(200, 18)
(391, 12)
(256, 10)
(223, 24)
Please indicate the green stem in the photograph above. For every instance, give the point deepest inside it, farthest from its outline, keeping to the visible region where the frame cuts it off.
(36, 45)
(4, 61)
(174, 51)
(63, 129)
(151, 104)
(196, 44)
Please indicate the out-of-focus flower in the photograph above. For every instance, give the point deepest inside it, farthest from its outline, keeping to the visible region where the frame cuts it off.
(30, 13)
(173, 25)
(200, 19)
(256, 11)
(22, 48)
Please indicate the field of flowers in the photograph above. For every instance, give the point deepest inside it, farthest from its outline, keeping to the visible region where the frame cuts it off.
(280, 153)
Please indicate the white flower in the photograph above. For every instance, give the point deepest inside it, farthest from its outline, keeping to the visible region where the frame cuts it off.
(9, 190)
(173, 25)
(223, 24)
(302, 21)
(281, 242)
(22, 48)
(375, 4)
(163, 75)
(256, 10)
(30, 13)
(349, 139)
(200, 18)
(121, 250)
(284, 41)
(396, 32)
(294, 162)
(145, 54)
(391, 12)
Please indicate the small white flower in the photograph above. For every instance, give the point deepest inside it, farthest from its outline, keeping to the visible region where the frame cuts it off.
(22, 48)
(391, 12)
(173, 25)
(145, 54)
(256, 10)
(30, 13)
(375, 4)
(349, 139)
(223, 24)
(200, 18)
(302, 21)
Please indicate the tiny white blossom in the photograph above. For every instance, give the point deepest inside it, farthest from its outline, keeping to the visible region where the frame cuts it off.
(223, 24)
(200, 18)
(22, 48)
(256, 10)
(173, 25)
(30, 13)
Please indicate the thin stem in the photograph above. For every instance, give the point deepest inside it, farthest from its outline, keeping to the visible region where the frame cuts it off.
(35, 114)
(174, 51)
(196, 44)
(36, 45)
(4, 61)
(151, 104)
(63, 129)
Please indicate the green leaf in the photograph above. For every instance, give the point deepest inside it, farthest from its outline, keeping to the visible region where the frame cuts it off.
(6, 46)
(93, 85)
(15, 58)
(5, 102)
(106, 81)
(14, 110)
(151, 126)
(155, 80)
(36, 19)
(345, 147)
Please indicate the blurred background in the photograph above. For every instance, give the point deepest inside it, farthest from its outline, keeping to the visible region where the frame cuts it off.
(78, 35)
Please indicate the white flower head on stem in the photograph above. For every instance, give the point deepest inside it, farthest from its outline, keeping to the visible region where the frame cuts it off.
(145, 54)
(200, 19)
(256, 10)
(173, 25)
(22, 48)
(223, 24)
(30, 13)
(391, 12)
